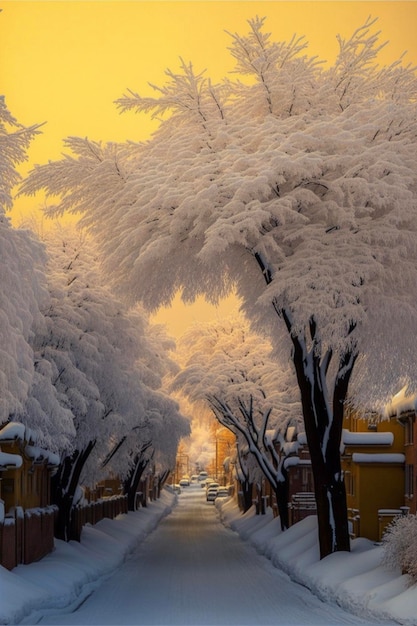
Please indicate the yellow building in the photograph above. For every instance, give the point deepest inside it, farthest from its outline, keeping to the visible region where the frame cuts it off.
(403, 407)
(373, 465)
(25, 469)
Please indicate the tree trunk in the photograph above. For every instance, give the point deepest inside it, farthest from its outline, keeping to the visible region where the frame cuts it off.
(161, 481)
(63, 487)
(130, 485)
(323, 424)
(281, 493)
(247, 490)
(323, 431)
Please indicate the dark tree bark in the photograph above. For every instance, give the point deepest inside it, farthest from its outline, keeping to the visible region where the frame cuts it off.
(246, 486)
(162, 480)
(323, 421)
(281, 490)
(63, 487)
(268, 459)
(131, 482)
(247, 491)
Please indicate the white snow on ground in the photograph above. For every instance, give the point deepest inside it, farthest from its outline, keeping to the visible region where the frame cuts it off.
(356, 580)
(66, 578)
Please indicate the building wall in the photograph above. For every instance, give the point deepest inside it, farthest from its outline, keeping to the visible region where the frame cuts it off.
(379, 488)
(410, 450)
(372, 486)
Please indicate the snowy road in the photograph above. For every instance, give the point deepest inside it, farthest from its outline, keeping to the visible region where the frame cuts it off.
(193, 570)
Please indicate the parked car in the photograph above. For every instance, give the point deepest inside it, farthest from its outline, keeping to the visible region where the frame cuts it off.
(211, 494)
(184, 482)
(202, 476)
(222, 492)
(212, 484)
(205, 482)
(176, 488)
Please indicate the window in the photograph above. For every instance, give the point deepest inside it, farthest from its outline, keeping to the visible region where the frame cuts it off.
(307, 479)
(409, 480)
(409, 431)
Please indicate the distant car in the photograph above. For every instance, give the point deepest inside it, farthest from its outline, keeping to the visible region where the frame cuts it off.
(202, 476)
(206, 481)
(211, 484)
(184, 482)
(222, 492)
(176, 488)
(194, 478)
(211, 494)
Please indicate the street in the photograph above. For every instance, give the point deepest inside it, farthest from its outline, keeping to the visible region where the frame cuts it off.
(192, 570)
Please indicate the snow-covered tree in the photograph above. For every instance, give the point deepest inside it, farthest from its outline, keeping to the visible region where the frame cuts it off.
(155, 438)
(22, 293)
(255, 396)
(15, 139)
(400, 545)
(22, 282)
(101, 360)
(157, 443)
(295, 186)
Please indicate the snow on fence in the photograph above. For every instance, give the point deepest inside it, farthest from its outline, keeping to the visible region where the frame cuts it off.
(94, 512)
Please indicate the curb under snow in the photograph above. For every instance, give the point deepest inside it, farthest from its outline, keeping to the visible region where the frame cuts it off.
(81, 566)
(356, 580)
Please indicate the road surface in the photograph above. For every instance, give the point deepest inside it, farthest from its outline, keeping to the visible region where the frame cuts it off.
(193, 571)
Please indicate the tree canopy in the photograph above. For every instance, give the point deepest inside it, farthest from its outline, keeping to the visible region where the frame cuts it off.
(293, 183)
(300, 168)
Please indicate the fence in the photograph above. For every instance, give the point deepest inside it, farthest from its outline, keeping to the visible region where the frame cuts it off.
(354, 523)
(387, 516)
(303, 504)
(94, 512)
(26, 536)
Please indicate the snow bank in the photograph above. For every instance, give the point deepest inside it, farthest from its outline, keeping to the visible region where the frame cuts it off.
(73, 570)
(354, 580)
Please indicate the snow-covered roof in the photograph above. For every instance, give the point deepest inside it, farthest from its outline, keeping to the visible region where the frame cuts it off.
(12, 431)
(367, 438)
(401, 403)
(291, 431)
(291, 447)
(10, 460)
(361, 457)
(15, 430)
(38, 454)
(291, 461)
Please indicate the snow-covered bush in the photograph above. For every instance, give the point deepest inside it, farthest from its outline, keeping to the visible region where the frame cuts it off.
(400, 545)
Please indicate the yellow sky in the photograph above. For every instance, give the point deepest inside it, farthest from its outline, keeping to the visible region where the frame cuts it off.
(65, 62)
